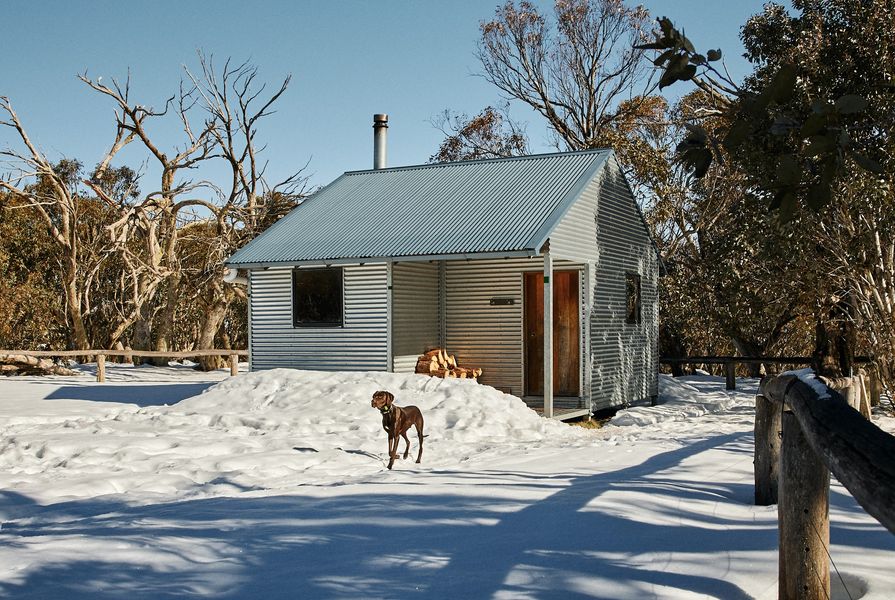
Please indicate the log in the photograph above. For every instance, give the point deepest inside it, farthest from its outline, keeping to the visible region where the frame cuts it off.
(852, 389)
(26, 364)
(857, 452)
(768, 428)
(803, 517)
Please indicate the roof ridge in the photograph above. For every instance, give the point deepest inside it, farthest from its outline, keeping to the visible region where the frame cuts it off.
(481, 160)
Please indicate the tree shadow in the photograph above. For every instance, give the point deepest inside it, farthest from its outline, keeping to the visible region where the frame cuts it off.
(392, 540)
(141, 395)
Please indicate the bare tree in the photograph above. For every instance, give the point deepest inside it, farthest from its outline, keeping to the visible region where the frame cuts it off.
(235, 105)
(489, 134)
(51, 190)
(155, 219)
(576, 71)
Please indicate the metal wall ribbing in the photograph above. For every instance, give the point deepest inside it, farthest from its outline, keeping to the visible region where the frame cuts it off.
(486, 336)
(624, 357)
(415, 307)
(575, 236)
(360, 345)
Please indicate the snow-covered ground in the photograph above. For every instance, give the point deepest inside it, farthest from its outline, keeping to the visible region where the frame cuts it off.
(164, 483)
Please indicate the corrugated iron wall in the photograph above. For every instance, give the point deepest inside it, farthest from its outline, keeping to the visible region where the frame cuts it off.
(575, 236)
(415, 306)
(486, 336)
(624, 357)
(360, 345)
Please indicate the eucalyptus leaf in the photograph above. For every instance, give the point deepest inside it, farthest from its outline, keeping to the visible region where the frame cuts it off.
(699, 160)
(782, 125)
(787, 206)
(736, 135)
(789, 172)
(713, 55)
(820, 144)
(868, 164)
(813, 125)
(783, 85)
(819, 195)
(851, 104)
(660, 60)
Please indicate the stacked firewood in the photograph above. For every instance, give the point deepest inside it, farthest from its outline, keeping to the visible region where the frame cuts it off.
(21, 364)
(438, 363)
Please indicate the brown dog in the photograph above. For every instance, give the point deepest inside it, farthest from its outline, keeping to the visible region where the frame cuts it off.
(396, 421)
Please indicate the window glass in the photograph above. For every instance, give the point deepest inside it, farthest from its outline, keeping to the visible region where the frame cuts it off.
(317, 297)
(632, 295)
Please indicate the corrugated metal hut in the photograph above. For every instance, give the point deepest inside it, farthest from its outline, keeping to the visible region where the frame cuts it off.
(382, 265)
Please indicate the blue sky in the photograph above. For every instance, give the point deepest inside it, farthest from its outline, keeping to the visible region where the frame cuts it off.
(349, 59)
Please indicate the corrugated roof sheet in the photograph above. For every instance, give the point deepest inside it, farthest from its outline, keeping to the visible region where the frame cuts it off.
(500, 206)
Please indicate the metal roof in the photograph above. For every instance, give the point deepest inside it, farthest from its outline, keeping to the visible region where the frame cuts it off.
(496, 207)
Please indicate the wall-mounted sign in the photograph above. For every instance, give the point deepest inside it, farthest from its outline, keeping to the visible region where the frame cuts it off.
(502, 301)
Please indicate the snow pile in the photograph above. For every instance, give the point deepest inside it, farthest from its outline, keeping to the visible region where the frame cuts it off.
(274, 482)
(679, 399)
(264, 430)
(310, 403)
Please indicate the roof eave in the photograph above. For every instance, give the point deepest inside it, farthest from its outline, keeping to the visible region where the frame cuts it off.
(360, 260)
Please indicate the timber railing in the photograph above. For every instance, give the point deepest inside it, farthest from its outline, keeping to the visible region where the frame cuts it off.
(730, 363)
(805, 429)
(233, 356)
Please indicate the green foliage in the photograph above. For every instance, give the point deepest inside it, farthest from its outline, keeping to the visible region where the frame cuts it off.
(31, 304)
(798, 120)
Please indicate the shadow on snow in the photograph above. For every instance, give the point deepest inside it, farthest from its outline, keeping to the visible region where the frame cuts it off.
(402, 543)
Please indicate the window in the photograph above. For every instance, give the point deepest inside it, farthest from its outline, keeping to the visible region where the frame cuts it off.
(317, 297)
(632, 298)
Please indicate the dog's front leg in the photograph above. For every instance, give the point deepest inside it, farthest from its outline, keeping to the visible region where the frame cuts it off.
(392, 449)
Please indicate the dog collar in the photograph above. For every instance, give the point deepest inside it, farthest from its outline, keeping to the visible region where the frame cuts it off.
(385, 409)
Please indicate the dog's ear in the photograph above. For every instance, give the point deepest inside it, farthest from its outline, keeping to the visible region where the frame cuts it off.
(389, 398)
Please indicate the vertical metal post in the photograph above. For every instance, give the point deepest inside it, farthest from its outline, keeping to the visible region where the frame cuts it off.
(249, 310)
(389, 320)
(548, 330)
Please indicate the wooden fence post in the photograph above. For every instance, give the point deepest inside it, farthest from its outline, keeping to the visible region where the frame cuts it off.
(767, 449)
(100, 368)
(730, 374)
(875, 386)
(803, 518)
(234, 365)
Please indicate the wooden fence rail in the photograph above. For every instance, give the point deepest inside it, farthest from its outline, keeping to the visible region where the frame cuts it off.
(730, 363)
(101, 355)
(821, 433)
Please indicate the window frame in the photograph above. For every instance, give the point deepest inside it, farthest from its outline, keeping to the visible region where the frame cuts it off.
(637, 289)
(318, 324)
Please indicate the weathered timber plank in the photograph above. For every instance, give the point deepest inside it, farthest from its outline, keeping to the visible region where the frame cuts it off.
(857, 452)
(803, 517)
(767, 449)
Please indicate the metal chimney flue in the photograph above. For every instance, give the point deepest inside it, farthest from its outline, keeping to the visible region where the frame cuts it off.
(380, 153)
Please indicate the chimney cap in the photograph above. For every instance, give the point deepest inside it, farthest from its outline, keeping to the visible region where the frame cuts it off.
(380, 119)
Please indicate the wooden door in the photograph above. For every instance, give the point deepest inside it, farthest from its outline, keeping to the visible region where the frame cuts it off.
(566, 333)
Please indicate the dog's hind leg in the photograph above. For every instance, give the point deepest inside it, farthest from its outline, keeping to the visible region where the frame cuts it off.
(407, 447)
(419, 432)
